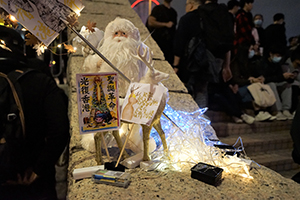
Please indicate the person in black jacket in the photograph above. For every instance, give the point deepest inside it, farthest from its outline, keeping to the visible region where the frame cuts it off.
(46, 122)
(188, 27)
(275, 34)
(162, 24)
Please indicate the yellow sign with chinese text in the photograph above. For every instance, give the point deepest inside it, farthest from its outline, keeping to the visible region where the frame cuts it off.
(98, 102)
(42, 18)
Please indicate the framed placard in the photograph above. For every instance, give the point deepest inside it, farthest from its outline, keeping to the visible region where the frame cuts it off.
(98, 102)
(141, 102)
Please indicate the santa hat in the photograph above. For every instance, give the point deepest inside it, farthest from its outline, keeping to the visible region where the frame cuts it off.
(120, 24)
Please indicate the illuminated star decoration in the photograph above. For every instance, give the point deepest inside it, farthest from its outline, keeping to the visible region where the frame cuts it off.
(194, 144)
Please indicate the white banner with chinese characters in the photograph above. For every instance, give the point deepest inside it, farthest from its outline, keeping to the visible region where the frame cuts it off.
(42, 17)
(141, 103)
(98, 102)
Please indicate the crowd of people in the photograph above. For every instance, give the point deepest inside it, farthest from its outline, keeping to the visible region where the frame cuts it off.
(258, 56)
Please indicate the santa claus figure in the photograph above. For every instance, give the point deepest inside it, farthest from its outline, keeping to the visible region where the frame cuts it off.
(119, 45)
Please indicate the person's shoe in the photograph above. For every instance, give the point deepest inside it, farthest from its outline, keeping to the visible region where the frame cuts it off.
(270, 117)
(237, 120)
(288, 114)
(247, 118)
(280, 116)
(262, 116)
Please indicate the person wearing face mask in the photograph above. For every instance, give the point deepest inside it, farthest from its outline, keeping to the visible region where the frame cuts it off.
(258, 21)
(279, 80)
(254, 53)
(275, 34)
(244, 73)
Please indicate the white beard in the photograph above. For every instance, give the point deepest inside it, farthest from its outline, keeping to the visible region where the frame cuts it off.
(123, 55)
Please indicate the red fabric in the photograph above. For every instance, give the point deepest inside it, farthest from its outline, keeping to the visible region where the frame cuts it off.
(243, 33)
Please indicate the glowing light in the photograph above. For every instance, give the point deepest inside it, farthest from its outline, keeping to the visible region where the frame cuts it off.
(53, 62)
(59, 45)
(75, 48)
(12, 18)
(122, 130)
(2, 41)
(77, 13)
(194, 143)
(24, 29)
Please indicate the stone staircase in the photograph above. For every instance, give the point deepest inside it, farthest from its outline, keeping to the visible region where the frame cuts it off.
(267, 143)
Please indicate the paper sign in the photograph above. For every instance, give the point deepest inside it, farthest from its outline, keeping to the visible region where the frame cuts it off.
(98, 102)
(141, 103)
(42, 17)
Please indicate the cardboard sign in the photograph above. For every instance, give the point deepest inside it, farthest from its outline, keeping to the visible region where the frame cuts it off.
(98, 102)
(42, 18)
(141, 103)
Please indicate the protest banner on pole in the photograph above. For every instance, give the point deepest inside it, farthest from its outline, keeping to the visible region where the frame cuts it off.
(42, 17)
(98, 102)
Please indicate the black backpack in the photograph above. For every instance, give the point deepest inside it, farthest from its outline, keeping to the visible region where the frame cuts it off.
(217, 26)
(12, 125)
(195, 54)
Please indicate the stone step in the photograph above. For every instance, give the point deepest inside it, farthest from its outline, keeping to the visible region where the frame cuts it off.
(260, 143)
(218, 116)
(277, 160)
(224, 129)
(267, 143)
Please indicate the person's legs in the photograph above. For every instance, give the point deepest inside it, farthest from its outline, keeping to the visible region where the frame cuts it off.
(199, 86)
(245, 94)
(278, 101)
(200, 94)
(286, 95)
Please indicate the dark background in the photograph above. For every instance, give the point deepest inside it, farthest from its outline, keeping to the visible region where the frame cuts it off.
(290, 8)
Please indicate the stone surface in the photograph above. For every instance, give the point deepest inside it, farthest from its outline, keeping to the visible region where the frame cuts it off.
(173, 185)
(266, 184)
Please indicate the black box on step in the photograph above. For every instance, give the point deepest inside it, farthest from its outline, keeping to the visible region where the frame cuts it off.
(207, 173)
